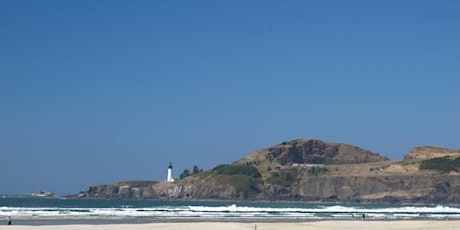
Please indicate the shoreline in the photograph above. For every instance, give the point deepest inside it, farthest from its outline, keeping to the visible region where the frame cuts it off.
(313, 225)
(143, 221)
(43, 212)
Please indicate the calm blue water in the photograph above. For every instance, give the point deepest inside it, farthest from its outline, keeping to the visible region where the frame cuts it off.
(45, 208)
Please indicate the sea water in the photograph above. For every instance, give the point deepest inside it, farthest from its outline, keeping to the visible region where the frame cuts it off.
(109, 209)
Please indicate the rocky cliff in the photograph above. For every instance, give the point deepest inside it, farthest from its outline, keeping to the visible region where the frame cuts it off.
(310, 151)
(307, 170)
(134, 190)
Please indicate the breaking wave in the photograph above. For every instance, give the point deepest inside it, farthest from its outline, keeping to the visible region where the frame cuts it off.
(235, 211)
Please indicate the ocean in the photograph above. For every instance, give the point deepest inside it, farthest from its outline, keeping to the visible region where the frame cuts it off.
(27, 208)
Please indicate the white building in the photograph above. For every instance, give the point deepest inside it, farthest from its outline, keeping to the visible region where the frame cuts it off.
(170, 177)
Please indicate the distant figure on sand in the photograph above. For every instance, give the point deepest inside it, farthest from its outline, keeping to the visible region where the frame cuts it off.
(9, 220)
(255, 226)
(364, 216)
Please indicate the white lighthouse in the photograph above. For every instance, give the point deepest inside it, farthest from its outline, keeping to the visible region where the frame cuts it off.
(170, 177)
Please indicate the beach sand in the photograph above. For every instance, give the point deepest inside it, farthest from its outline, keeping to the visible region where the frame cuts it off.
(316, 225)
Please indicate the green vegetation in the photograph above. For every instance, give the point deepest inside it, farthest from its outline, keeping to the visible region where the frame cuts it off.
(241, 181)
(316, 171)
(205, 175)
(187, 173)
(293, 142)
(247, 170)
(284, 178)
(457, 189)
(348, 150)
(184, 174)
(196, 170)
(442, 164)
(245, 186)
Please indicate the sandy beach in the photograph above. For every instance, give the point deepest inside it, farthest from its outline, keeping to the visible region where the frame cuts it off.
(317, 225)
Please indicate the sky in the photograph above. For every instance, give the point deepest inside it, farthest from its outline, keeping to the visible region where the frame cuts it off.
(95, 92)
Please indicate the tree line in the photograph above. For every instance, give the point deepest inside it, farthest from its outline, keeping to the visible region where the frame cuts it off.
(187, 172)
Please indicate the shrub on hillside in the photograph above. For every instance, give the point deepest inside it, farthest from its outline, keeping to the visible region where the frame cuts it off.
(247, 170)
(316, 171)
(442, 164)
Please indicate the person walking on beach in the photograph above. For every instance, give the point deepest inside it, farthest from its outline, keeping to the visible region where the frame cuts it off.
(9, 220)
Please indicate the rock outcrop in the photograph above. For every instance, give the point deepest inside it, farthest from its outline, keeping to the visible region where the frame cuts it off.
(134, 190)
(311, 151)
(307, 170)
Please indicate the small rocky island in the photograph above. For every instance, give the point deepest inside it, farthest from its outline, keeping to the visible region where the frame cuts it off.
(44, 194)
(311, 170)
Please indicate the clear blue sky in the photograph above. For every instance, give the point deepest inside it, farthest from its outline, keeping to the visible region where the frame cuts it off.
(95, 92)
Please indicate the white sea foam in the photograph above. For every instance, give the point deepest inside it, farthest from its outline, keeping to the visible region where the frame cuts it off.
(234, 211)
(332, 209)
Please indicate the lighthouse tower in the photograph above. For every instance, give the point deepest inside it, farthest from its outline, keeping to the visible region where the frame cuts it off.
(170, 177)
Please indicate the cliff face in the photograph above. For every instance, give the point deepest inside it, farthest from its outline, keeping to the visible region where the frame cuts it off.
(374, 189)
(408, 188)
(308, 170)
